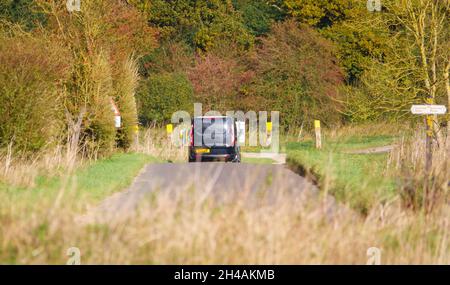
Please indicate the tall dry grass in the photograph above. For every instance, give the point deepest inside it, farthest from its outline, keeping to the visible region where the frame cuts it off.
(21, 169)
(186, 228)
(155, 142)
(419, 189)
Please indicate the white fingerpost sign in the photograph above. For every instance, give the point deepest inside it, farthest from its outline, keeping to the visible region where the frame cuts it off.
(429, 109)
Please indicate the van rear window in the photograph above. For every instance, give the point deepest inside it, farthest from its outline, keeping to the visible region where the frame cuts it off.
(213, 131)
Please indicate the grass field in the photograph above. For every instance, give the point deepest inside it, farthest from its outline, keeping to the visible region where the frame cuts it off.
(91, 182)
(355, 179)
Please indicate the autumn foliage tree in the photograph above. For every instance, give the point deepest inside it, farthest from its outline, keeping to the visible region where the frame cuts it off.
(98, 46)
(200, 23)
(218, 80)
(320, 13)
(297, 72)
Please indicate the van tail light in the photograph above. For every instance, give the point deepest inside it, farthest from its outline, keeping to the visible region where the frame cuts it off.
(233, 138)
(192, 135)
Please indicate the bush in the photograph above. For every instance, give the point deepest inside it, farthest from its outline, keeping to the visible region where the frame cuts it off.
(75, 66)
(320, 13)
(217, 81)
(31, 97)
(23, 12)
(171, 56)
(103, 37)
(257, 15)
(298, 74)
(163, 94)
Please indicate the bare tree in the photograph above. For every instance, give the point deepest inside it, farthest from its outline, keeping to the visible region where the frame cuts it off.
(426, 24)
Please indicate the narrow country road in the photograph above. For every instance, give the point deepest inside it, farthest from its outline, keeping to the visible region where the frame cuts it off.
(217, 180)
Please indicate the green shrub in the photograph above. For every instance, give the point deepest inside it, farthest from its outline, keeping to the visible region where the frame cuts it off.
(320, 13)
(258, 15)
(200, 23)
(31, 96)
(23, 12)
(163, 94)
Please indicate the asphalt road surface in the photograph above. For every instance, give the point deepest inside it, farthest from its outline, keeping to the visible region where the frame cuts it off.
(222, 181)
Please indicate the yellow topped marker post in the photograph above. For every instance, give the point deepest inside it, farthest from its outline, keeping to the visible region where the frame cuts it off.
(269, 127)
(169, 129)
(136, 135)
(269, 133)
(318, 134)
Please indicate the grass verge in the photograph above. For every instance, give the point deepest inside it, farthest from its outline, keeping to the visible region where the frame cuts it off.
(92, 182)
(249, 160)
(354, 179)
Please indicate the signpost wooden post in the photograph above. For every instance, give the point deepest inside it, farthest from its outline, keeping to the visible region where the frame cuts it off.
(429, 111)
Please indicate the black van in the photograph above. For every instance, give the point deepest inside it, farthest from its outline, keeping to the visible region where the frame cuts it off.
(214, 138)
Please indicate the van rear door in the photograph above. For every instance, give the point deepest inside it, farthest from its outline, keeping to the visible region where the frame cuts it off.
(214, 132)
